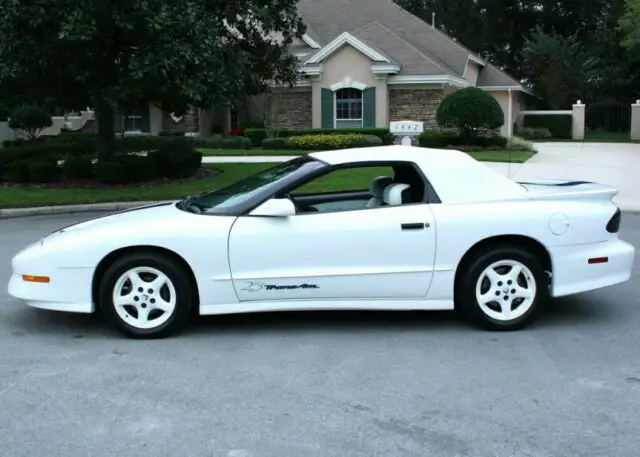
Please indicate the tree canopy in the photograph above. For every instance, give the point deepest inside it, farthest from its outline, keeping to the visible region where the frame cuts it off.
(113, 54)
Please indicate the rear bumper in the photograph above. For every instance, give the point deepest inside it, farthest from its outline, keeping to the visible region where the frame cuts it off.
(572, 272)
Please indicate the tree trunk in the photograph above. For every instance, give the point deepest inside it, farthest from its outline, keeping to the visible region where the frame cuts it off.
(106, 129)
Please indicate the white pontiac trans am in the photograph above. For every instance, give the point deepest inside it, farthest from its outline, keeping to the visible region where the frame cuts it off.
(439, 231)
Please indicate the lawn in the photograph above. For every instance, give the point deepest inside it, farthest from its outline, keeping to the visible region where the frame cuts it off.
(12, 197)
(483, 156)
(21, 198)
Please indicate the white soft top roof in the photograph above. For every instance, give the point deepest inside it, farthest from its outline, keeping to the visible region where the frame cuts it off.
(455, 176)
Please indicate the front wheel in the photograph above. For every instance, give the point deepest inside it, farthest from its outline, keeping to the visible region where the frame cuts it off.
(146, 295)
(503, 289)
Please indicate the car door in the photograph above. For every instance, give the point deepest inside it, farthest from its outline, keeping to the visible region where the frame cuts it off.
(385, 252)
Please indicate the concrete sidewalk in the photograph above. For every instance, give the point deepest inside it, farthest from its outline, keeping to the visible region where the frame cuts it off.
(608, 163)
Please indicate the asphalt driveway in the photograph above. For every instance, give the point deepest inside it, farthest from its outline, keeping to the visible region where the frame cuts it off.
(321, 384)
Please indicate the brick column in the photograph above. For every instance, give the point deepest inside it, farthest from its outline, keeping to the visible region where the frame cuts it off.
(635, 120)
(578, 121)
(192, 120)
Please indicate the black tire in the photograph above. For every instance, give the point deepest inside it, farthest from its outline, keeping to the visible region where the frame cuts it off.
(469, 305)
(179, 279)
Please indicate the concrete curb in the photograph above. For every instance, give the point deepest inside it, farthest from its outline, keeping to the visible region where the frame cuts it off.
(10, 213)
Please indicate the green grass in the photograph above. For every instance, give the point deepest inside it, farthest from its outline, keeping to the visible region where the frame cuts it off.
(484, 156)
(12, 197)
(502, 156)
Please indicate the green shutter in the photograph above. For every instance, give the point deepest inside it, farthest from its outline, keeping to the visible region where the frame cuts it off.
(326, 104)
(369, 107)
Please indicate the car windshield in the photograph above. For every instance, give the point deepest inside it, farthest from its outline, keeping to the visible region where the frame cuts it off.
(234, 197)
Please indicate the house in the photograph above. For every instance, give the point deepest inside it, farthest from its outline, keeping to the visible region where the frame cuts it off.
(363, 63)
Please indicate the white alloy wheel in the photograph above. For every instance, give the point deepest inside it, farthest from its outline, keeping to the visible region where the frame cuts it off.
(144, 297)
(506, 290)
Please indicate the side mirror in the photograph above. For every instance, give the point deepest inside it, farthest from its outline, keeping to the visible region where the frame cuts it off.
(276, 207)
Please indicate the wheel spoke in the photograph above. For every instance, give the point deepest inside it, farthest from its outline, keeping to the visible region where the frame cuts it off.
(143, 314)
(487, 297)
(163, 305)
(493, 276)
(158, 283)
(124, 300)
(515, 272)
(521, 292)
(505, 308)
(136, 280)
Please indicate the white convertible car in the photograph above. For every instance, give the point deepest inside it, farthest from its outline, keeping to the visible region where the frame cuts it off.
(435, 230)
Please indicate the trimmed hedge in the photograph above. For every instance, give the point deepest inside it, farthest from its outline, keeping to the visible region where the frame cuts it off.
(441, 140)
(534, 133)
(257, 136)
(37, 162)
(322, 142)
(560, 125)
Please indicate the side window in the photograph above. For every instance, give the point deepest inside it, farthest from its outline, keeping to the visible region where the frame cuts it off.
(343, 180)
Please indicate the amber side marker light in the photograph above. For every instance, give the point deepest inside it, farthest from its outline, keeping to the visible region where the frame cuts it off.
(30, 278)
(599, 260)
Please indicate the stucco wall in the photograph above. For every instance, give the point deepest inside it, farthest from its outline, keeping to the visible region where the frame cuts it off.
(349, 64)
(503, 100)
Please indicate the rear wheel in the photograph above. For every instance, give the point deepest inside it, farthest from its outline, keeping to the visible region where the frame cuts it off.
(503, 289)
(146, 295)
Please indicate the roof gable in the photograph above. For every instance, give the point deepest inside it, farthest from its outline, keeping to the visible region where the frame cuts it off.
(346, 38)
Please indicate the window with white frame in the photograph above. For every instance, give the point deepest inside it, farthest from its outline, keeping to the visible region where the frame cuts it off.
(348, 108)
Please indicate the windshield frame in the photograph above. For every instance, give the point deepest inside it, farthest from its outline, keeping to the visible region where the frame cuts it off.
(308, 166)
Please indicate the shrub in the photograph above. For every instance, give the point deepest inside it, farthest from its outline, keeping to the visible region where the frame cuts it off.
(438, 140)
(236, 132)
(44, 171)
(383, 133)
(78, 168)
(256, 135)
(534, 133)
(137, 168)
(469, 110)
(519, 144)
(559, 125)
(275, 143)
(171, 133)
(30, 121)
(331, 141)
(17, 172)
(111, 172)
(169, 164)
(235, 142)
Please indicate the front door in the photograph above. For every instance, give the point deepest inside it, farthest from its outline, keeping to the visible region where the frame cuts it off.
(385, 252)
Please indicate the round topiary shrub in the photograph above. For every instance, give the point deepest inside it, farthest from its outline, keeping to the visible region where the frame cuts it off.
(469, 110)
(30, 121)
(44, 171)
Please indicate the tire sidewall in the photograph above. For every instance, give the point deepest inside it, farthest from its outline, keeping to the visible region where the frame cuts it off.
(177, 275)
(469, 303)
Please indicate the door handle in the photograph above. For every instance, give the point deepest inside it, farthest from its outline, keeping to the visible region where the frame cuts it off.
(414, 226)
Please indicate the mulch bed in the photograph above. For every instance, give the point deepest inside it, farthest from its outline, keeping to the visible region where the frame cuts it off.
(203, 173)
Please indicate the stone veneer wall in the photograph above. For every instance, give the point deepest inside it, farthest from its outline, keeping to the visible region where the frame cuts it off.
(415, 105)
(291, 109)
(190, 122)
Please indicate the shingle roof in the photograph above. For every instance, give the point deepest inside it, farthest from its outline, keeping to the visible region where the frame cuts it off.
(419, 48)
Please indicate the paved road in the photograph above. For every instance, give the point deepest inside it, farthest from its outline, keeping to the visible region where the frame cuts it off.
(322, 384)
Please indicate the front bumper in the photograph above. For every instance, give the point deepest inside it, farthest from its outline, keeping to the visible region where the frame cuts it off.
(572, 273)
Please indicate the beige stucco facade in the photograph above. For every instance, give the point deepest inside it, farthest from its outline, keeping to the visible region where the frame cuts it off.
(506, 97)
(348, 67)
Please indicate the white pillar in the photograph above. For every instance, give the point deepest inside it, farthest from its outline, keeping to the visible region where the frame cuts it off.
(577, 130)
(635, 121)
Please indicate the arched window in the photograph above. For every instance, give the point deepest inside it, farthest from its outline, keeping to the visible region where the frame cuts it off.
(348, 108)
